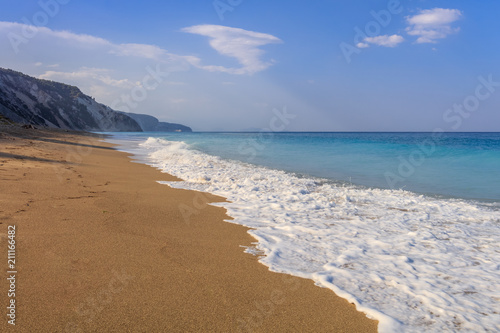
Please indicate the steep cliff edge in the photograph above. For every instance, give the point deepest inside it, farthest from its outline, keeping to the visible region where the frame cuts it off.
(28, 100)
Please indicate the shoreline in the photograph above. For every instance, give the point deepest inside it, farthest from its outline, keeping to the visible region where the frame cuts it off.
(103, 246)
(370, 246)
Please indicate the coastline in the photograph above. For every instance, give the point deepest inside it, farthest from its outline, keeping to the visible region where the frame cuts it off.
(103, 246)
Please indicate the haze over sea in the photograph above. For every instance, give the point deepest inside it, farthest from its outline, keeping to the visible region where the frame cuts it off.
(404, 225)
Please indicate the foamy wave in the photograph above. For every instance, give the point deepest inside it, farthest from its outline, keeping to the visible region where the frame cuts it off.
(415, 263)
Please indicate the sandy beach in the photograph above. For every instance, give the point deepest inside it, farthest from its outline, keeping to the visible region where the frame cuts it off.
(102, 247)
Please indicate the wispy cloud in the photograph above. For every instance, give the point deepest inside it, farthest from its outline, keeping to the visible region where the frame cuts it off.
(433, 24)
(98, 66)
(23, 33)
(139, 50)
(111, 71)
(237, 43)
(97, 82)
(100, 75)
(18, 33)
(243, 45)
(384, 40)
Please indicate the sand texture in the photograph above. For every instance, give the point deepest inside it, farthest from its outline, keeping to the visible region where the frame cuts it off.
(102, 247)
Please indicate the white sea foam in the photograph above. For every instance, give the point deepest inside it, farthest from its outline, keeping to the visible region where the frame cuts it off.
(415, 263)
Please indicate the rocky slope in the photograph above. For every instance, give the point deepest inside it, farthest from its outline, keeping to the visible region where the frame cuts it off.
(28, 100)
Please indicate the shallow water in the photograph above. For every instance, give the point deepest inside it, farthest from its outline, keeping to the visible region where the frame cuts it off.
(322, 208)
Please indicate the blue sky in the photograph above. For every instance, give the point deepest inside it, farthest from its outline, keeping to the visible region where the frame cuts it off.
(232, 64)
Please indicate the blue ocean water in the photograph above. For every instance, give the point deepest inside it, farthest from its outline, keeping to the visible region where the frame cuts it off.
(329, 207)
(463, 165)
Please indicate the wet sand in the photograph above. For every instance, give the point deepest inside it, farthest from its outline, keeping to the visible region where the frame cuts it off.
(102, 247)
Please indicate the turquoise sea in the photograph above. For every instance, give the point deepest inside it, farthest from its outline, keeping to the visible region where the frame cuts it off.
(463, 165)
(404, 225)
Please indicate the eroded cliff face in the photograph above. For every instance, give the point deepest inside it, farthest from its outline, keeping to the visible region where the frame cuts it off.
(29, 100)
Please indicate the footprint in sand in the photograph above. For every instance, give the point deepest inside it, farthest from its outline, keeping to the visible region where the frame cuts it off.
(79, 265)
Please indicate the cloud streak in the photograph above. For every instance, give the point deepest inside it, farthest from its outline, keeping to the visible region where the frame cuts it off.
(112, 72)
(383, 40)
(21, 35)
(98, 66)
(433, 24)
(243, 45)
(100, 75)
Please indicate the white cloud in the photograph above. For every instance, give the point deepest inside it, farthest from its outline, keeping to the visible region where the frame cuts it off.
(98, 66)
(23, 32)
(97, 82)
(435, 17)
(433, 24)
(110, 72)
(241, 44)
(237, 43)
(39, 64)
(96, 75)
(139, 50)
(362, 45)
(383, 40)
(21, 35)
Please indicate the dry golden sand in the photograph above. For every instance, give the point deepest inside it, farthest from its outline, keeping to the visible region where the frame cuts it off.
(102, 247)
